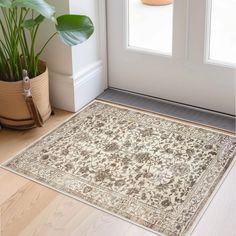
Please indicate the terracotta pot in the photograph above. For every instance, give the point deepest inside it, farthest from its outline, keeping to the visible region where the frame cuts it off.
(157, 2)
(14, 112)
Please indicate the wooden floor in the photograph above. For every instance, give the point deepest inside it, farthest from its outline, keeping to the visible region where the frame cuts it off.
(27, 208)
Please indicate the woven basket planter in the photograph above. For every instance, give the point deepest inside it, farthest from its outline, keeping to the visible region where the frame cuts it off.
(157, 2)
(14, 112)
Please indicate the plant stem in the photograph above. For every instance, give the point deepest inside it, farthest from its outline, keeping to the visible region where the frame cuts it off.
(38, 54)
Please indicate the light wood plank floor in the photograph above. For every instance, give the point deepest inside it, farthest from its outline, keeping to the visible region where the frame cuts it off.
(27, 208)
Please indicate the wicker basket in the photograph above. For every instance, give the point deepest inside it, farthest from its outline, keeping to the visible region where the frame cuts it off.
(157, 2)
(14, 112)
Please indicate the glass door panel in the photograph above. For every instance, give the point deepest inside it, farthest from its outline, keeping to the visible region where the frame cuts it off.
(184, 77)
(150, 27)
(222, 37)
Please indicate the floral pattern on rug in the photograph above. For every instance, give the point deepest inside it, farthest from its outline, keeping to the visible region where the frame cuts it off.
(153, 171)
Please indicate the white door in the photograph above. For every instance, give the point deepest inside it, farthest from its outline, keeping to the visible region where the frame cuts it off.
(184, 52)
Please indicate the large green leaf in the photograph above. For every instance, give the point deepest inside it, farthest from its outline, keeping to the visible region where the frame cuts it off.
(40, 6)
(28, 24)
(74, 29)
(5, 3)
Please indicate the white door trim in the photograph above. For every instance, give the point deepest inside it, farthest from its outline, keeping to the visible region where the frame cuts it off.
(185, 77)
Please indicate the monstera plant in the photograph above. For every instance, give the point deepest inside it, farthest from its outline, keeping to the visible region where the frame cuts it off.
(20, 64)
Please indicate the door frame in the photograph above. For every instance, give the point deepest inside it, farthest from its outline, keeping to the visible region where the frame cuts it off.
(184, 37)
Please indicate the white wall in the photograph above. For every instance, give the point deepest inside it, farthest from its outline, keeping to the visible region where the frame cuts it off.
(77, 74)
(89, 58)
(88, 52)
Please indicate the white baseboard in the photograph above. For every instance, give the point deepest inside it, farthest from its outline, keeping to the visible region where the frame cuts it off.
(71, 93)
(88, 85)
(61, 91)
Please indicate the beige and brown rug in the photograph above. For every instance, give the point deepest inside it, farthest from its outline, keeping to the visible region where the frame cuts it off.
(155, 172)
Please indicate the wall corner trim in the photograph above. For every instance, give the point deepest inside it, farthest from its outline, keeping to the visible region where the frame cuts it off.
(82, 80)
(78, 90)
(89, 84)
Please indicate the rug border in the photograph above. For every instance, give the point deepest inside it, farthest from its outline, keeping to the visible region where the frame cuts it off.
(200, 215)
(2, 166)
(201, 212)
(44, 135)
(81, 200)
(172, 118)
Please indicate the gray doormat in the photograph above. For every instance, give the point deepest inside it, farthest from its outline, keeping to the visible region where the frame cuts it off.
(199, 116)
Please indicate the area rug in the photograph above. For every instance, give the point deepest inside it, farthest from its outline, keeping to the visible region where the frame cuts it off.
(156, 172)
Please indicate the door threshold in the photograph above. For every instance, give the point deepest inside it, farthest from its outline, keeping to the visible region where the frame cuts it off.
(164, 107)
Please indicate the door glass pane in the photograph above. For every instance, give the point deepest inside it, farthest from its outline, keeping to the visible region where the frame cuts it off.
(150, 27)
(223, 31)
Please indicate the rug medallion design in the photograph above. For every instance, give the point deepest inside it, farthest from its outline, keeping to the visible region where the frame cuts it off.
(153, 171)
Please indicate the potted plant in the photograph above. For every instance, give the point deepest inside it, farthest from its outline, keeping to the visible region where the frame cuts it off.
(24, 92)
(157, 2)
